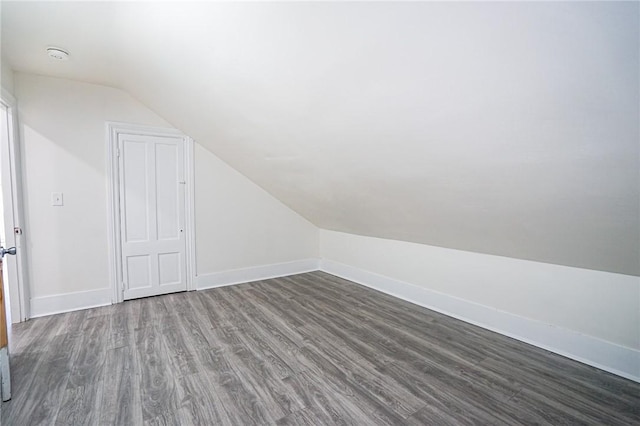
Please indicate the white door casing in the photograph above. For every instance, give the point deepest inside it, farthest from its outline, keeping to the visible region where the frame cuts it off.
(13, 211)
(151, 218)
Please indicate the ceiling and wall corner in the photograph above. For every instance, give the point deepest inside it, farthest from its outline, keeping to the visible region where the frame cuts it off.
(500, 128)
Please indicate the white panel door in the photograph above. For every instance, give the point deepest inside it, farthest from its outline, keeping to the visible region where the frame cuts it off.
(152, 215)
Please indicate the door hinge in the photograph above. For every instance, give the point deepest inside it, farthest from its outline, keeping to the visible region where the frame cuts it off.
(117, 152)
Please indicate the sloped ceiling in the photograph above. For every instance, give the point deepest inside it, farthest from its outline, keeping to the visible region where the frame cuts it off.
(501, 128)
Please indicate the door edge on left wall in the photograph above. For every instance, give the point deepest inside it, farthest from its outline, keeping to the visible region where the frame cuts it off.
(113, 130)
(18, 285)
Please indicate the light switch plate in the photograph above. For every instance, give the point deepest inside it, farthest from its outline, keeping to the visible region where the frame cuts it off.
(56, 199)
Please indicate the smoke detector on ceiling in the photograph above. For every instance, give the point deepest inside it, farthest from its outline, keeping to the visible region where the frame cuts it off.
(57, 53)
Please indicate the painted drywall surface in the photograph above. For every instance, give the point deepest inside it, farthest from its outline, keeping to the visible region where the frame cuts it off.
(6, 73)
(507, 128)
(595, 303)
(6, 76)
(239, 225)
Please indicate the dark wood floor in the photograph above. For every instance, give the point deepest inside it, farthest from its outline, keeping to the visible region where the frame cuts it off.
(311, 349)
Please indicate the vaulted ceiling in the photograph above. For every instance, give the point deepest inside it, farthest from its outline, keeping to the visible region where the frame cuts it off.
(501, 128)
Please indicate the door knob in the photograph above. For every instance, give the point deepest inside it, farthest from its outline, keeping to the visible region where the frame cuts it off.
(4, 251)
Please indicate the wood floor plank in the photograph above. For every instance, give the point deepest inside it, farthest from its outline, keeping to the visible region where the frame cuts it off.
(540, 410)
(337, 328)
(394, 313)
(180, 353)
(352, 391)
(142, 312)
(284, 332)
(120, 326)
(37, 332)
(442, 416)
(596, 385)
(278, 306)
(281, 354)
(196, 337)
(157, 383)
(120, 401)
(79, 405)
(311, 349)
(44, 379)
(444, 390)
(89, 363)
(200, 401)
(596, 405)
(384, 388)
(45, 393)
(166, 418)
(323, 405)
(242, 405)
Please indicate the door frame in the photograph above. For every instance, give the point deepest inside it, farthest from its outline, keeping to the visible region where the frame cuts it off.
(114, 130)
(14, 218)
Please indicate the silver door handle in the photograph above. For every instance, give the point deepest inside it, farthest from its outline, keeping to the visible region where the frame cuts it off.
(4, 251)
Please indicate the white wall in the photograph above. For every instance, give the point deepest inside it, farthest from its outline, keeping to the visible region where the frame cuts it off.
(239, 225)
(601, 306)
(62, 127)
(6, 76)
(62, 124)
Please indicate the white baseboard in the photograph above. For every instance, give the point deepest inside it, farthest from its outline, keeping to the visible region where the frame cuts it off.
(66, 302)
(255, 273)
(59, 303)
(598, 353)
